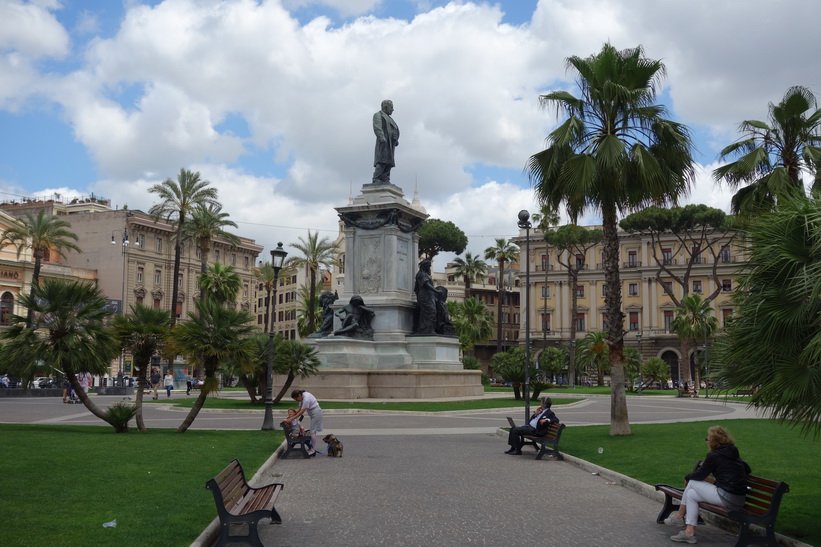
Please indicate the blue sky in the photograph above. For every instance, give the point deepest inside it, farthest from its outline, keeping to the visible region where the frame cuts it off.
(272, 100)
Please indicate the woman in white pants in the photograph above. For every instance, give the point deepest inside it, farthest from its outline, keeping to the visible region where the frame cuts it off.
(308, 405)
(730, 488)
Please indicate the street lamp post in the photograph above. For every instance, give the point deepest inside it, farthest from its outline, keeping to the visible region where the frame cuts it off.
(706, 382)
(277, 259)
(641, 380)
(524, 222)
(124, 244)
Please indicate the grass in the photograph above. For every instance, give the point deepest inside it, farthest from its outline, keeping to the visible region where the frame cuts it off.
(422, 406)
(61, 483)
(664, 453)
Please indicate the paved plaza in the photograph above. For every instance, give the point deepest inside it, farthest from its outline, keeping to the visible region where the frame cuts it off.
(440, 479)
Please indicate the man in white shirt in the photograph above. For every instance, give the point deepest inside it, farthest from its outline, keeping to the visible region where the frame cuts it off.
(539, 422)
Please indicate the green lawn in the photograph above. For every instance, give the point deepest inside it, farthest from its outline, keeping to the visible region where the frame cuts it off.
(61, 483)
(664, 453)
(422, 406)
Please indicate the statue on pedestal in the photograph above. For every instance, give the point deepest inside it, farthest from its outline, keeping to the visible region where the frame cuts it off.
(356, 319)
(443, 324)
(425, 300)
(387, 139)
(326, 300)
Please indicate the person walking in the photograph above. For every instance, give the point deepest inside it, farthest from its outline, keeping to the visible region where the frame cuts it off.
(168, 382)
(310, 406)
(154, 380)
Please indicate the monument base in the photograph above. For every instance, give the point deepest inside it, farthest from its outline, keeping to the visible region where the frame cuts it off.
(390, 384)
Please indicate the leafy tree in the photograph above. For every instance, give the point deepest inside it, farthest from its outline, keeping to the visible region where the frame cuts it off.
(572, 243)
(212, 336)
(553, 361)
(615, 152)
(206, 224)
(316, 253)
(593, 353)
(502, 251)
(655, 370)
(221, 283)
(472, 269)
(697, 230)
(694, 322)
(773, 343)
(294, 359)
(178, 200)
(42, 234)
(67, 333)
(142, 333)
(771, 155)
(473, 322)
(510, 365)
(436, 236)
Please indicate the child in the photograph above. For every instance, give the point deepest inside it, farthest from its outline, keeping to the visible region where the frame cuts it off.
(295, 428)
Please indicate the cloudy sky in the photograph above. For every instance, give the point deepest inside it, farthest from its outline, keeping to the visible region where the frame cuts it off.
(272, 100)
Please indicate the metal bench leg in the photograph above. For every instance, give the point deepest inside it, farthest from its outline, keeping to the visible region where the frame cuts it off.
(667, 508)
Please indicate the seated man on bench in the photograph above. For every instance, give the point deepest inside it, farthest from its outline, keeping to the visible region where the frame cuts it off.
(539, 422)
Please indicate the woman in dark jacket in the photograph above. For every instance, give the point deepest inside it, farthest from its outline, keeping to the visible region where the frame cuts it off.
(730, 488)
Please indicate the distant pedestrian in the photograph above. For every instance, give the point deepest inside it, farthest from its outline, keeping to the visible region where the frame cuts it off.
(188, 380)
(307, 405)
(155, 382)
(168, 381)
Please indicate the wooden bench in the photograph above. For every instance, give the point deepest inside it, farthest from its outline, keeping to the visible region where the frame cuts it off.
(547, 443)
(302, 442)
(761, 509)
(239, 503)
(740, 392)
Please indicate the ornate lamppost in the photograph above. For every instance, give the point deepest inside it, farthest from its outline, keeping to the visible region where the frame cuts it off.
(277, 259)
(641, 380)
(524, 222)
(124, 243)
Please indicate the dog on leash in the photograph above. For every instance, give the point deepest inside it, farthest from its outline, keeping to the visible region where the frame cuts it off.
(334, 446)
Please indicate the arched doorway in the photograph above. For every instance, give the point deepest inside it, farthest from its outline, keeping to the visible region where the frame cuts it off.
(671, 358)
(6, 308)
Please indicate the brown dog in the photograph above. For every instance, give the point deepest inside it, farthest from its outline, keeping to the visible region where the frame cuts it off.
(334, 446)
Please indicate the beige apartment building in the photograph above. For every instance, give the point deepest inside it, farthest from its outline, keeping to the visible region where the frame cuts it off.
(649, 310)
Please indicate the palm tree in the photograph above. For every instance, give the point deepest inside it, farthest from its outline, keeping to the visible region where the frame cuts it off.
(771, 155)
(212, 336)
(472, 321)
(316, 253)
(502, 251)
(142, 333)
(614, 152)
(178, 200)
(693, 322)
(42, 234)
(472, 269)
(206, 224)
(67, 333)
(593, 352)
(308, 303)
(220, 282)
(294, 359)
(267, 277)
(772, 344)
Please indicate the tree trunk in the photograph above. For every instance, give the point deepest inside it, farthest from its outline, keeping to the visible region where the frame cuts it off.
(685, 374)
(141, 382)
(204, 252)
(572, 277)
(500, 286)
(619, 420)
(198, 404)
(248, 387)
(288, 381)
(35, 280)
(88, 403)
(311, 304)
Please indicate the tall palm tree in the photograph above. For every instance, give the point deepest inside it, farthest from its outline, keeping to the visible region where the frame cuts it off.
(542, 221)
(694, 322)
(472, 269)
(615, 152)
(771, 155)
(502, 251)
(67, 333)
(266, 276)
(294, 359)
(472, 321)
(206, 224)
(316, 253)
(178, 200)
(308, 303)
(212, 336)
(142, 333)
(773, 343)
(221, 283)
(42, 234)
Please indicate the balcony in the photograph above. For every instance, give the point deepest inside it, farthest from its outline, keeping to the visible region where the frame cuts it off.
(631, 264)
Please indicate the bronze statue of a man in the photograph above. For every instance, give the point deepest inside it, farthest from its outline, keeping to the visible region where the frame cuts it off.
(387, 139)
